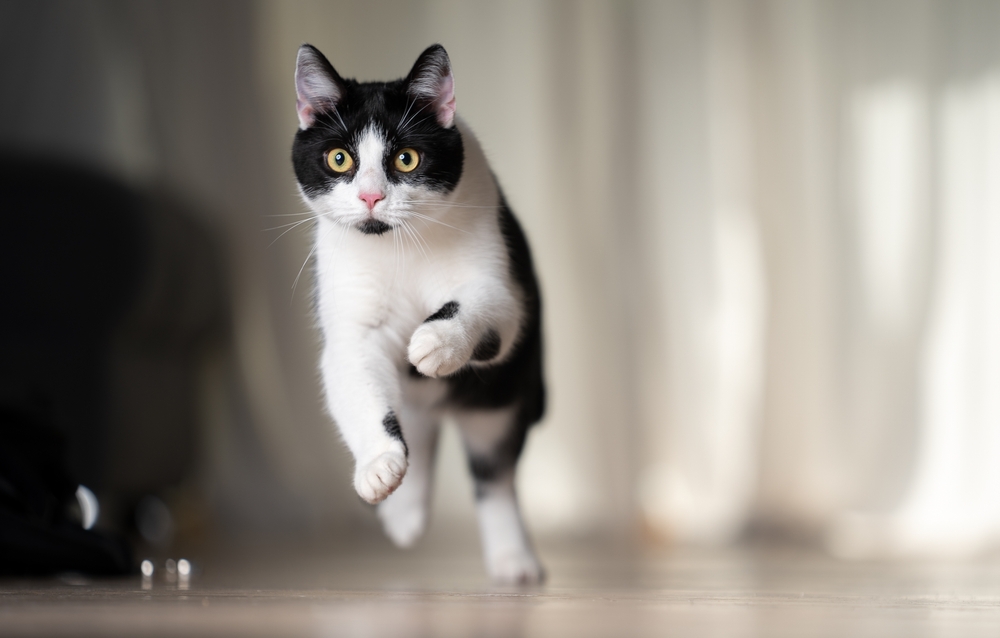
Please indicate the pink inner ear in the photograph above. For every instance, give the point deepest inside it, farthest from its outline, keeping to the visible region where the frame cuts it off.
(445, 102)
(307, 114)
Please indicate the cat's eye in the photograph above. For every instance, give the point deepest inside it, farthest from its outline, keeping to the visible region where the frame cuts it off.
(406, 160)
(339, 160)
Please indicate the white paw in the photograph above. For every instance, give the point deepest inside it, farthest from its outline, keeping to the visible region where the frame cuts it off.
(403, 521)
(515, 568)
(381, 476)
(439, 348)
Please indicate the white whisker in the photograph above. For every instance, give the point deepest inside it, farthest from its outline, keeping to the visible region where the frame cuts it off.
(289, 214)
(403, 128)
(409, 105)
(426, 202)
(420, 241)
(295, 223)
(410, 233)
(437, 221)
(295, 283)
(336, 112)
(293, 227)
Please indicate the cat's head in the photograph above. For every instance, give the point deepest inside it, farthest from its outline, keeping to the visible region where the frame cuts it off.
(368, 154)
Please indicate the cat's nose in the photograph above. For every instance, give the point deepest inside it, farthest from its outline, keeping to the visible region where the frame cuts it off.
(371, 199)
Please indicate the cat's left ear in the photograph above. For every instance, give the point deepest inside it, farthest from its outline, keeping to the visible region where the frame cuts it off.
(318, 87)
(431, 79)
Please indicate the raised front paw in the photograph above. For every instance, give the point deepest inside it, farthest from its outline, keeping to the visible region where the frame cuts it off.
(380, 477)
(439, 348)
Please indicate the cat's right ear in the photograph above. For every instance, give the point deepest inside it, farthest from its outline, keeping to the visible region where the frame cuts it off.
(318, 88)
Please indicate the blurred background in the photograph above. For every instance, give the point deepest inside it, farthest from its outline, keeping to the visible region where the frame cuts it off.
(767, 233)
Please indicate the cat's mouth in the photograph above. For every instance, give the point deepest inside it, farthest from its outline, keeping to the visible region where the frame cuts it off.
(373, 227)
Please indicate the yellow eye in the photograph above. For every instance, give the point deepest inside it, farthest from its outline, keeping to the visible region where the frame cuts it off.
(339, 160)
(407, 160)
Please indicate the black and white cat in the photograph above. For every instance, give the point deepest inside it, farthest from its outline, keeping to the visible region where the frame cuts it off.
(426, 296)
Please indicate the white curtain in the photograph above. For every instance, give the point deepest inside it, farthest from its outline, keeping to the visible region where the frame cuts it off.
(769, 241)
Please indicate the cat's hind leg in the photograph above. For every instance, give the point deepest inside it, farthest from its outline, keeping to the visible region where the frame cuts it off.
(493, 440)
(404, 514)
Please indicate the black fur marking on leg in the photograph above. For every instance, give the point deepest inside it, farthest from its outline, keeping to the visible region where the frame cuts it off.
(502, 459)
(488, 347)
(484, 468)
(391, 425)
(446, 311)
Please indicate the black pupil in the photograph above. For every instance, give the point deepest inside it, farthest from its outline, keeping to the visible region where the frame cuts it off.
(406, 159)
(339, 158)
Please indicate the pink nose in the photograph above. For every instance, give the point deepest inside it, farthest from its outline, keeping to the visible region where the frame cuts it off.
(371, 199)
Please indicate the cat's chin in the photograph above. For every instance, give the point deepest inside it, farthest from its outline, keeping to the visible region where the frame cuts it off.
(373, 227)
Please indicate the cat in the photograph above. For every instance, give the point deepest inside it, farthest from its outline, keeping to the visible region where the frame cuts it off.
(426, 297)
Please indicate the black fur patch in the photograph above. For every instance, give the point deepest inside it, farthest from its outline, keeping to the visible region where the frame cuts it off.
(484, 468)
(374, 227)
(502, 459)
(488, 347)
(446, 311)
(404, 121)
(391, 425)
(518, 378)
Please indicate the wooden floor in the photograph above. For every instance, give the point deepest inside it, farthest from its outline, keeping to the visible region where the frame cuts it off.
(595, 589)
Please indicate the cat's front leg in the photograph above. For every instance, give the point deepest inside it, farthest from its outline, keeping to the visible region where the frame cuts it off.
(362, 385)
(404, 514)
(477, 326)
